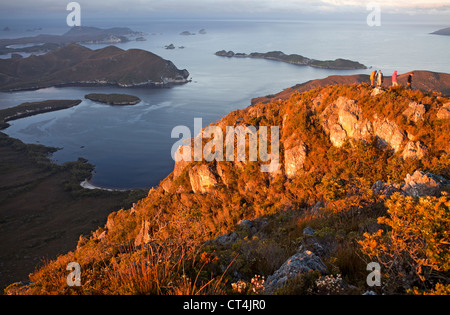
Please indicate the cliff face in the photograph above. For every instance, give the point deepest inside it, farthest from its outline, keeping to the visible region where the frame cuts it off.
(343, 151)
(344, 121)
(77, 65)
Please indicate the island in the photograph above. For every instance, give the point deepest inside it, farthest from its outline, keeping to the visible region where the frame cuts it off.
(34, 108)
(114, 99)
(186, 33)
(443, 32)
(338, 64)
(76, 65)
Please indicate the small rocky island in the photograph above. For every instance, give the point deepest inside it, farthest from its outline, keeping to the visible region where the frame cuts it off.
(34, 108)
(114, 99)
(338, 64)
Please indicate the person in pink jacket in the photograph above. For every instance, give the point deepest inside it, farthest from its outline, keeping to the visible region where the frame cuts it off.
(394, 79)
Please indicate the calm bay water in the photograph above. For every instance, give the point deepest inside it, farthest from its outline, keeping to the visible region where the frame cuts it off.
(130, 146)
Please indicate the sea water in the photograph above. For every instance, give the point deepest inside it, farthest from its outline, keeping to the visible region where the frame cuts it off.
(130, 146)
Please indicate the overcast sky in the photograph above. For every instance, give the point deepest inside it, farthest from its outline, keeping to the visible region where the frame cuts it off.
(226, 8)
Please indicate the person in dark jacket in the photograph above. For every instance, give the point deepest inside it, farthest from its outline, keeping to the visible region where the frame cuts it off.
(409, 81)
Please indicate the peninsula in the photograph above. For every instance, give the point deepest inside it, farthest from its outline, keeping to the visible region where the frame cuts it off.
(114, 99)
(443, 32)
(338, 64)
(31, 109)
(76, 65)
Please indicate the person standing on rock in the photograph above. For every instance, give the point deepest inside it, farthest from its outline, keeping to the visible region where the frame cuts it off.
(409, 82)
(394, 79)
(379, 79)
(372, 78)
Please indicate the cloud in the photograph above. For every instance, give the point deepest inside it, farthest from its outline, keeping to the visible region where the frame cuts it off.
(205, 7)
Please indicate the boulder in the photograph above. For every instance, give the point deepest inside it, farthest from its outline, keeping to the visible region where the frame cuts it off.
(389, 134)
(301, 262)
(337, 135)
(415, 112)
(308, 231)
(444, 111)
(225, 239)
(377, 91)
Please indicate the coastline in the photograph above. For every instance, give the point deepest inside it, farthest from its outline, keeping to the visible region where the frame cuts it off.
(86, 184)
(34, 108)
(148, 85)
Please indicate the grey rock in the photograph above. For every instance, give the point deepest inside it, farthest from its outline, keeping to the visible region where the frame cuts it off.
(301, 262)
(308, 231)
(422, 184)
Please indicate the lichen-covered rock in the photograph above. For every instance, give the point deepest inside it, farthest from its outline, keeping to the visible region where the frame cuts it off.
(297, 264)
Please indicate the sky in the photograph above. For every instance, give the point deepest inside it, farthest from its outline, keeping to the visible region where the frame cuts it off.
(277, 9)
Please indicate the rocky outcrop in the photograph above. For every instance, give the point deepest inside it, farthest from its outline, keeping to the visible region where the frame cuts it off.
(423, 184)
(344, 120)
(180, 163)
(294, 156)
(301, 262)
(144, 234)
(419, 184)
(202, 178)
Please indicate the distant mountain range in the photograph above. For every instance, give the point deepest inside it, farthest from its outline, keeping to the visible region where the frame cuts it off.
(76, 65)
(77, 34)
